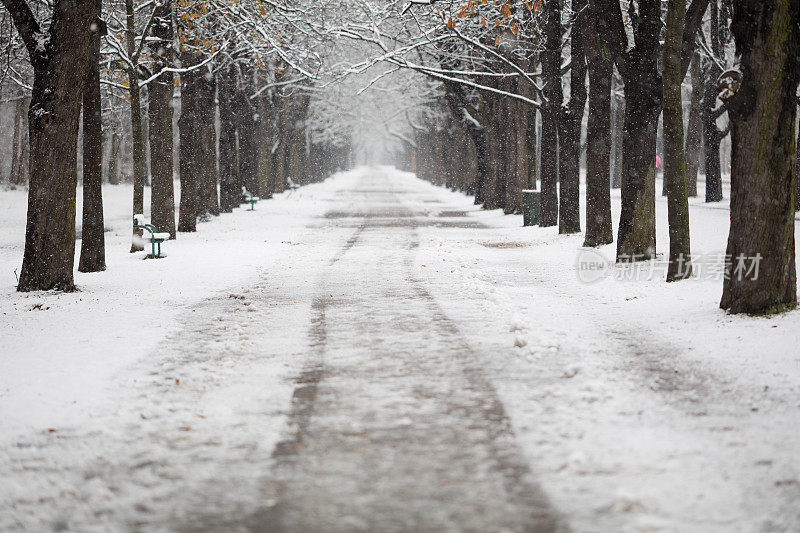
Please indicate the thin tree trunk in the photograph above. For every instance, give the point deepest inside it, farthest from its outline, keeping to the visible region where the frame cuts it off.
(617, 136)
(762, 111)
(551, 73)
(16, 144)
(113, 161)
(93, 248)
(137, 131)
(695, 129)
(674, 161)
(161, 92)
(599, 227)
(60, 63)
(569, 216)
(712, 135)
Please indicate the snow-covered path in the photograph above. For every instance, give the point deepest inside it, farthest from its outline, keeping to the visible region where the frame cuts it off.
(374, 353)
(397, 426)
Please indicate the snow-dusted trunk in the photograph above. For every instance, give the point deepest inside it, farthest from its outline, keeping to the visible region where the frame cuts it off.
(137, 130)
(712, 134)
(93, 249)
(674, 159)
(60, 58)
(160, 92)
(553, 95)
(599, 229)
(618, 127)
(762, 110)
(569, 134)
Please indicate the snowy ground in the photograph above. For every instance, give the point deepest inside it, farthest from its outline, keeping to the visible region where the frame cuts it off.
(375, 353)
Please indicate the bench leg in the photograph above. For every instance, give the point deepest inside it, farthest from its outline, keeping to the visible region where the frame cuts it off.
(159, 249)
(153, 247)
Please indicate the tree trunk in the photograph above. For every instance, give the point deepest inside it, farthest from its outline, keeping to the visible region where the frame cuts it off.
(674, 161)
(60, 68)
(553, 94)
(569, 219)
(618, 134)
(695, 130)
(189, 149)
(456, 100)
(229, 188)
(762, 112)
(162, 199)
(113, 161)
(712, 135)
(246, 129)
(16, 144)
(137, 132)
(599, 227)
(637, 229)
(93, 248)
(206, 166)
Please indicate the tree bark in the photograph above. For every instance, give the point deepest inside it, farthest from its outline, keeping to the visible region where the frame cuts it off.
(113, 161)
(93, 248)
(762, 112)
(674, 161)
(229, 187)
(599, 227)
(160, 92)
(205, 128)
(137, 131)
(553, 96)
(60, 57)
(14, 177)
(637, 229)
(618, 101)
(189, 149)
(712, 134)
(695, 128)
(569, 170)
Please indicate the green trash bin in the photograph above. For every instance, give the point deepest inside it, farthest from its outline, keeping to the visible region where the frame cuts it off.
(531, 207)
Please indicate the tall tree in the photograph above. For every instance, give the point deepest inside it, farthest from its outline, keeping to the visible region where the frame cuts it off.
(93, 248)
(569, 217)
(160, 94)
(711, 111)
(761, 102)
(60, 56)
(553, 96)
(674, 159)
(137, 130)
(638, 66)
(229, 185)
(599, 228)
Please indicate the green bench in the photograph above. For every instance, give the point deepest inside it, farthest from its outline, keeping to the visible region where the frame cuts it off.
(155, 238)
(248, 197)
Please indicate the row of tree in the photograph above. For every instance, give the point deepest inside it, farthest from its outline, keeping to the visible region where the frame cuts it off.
(242, 101)
(549, 57)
